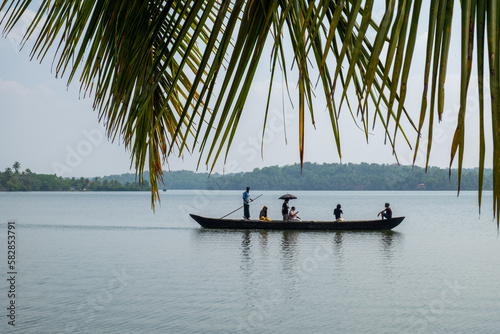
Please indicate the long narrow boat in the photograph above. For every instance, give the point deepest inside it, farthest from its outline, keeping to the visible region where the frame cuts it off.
(366, 225)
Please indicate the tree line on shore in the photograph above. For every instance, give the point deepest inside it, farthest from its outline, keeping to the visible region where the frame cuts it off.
(313, 176)
(13, 179)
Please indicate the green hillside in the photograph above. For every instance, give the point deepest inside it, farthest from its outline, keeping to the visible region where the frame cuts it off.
(312, 177)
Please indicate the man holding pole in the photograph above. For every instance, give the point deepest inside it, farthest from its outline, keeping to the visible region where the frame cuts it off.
(246, 203)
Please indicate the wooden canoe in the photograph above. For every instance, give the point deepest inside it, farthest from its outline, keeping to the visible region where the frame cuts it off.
(364, 225)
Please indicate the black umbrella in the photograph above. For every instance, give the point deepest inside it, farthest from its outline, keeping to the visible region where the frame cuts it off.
(288, 196)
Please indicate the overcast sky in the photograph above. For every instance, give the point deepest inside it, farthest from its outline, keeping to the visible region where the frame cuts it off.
(50, 128)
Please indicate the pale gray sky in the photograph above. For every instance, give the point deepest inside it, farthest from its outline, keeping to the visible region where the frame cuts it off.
(50, 129)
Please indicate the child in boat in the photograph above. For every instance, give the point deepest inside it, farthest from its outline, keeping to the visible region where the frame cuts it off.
(387, 212)
(263, 214)
(292, 215)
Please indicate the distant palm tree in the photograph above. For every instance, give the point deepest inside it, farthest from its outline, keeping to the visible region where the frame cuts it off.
(168, 76)
(17, 167)
(8, 172)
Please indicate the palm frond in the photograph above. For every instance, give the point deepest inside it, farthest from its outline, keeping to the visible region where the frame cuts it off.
(169, 77)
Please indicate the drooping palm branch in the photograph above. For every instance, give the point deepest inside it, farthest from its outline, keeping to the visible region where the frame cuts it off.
(169, 77)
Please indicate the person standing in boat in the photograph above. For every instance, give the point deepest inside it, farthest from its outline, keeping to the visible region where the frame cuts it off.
(284, 210)
(337, 212)
(387, 212)
(246, 203)
(293, 215)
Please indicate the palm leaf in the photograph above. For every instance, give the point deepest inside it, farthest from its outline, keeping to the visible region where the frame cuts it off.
(171, 76)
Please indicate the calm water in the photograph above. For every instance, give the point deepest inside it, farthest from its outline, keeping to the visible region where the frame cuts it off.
(105, 263)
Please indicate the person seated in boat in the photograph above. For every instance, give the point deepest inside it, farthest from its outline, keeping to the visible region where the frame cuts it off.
(292, 215)
(387, 212)
(337, 212)
(263, 214)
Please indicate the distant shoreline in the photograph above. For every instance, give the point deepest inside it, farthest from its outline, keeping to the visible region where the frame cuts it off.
(330, 177)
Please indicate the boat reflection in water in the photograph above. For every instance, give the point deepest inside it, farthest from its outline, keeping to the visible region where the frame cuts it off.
(300, 250)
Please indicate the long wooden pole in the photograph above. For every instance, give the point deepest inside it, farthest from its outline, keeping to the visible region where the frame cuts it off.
(251, 200)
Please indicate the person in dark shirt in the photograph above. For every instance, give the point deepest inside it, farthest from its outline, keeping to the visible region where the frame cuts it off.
(284, 210)
(387, 212)
(263, 214)
(337, 212)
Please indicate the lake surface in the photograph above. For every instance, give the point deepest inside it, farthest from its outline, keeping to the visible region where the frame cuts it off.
(105, 263)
